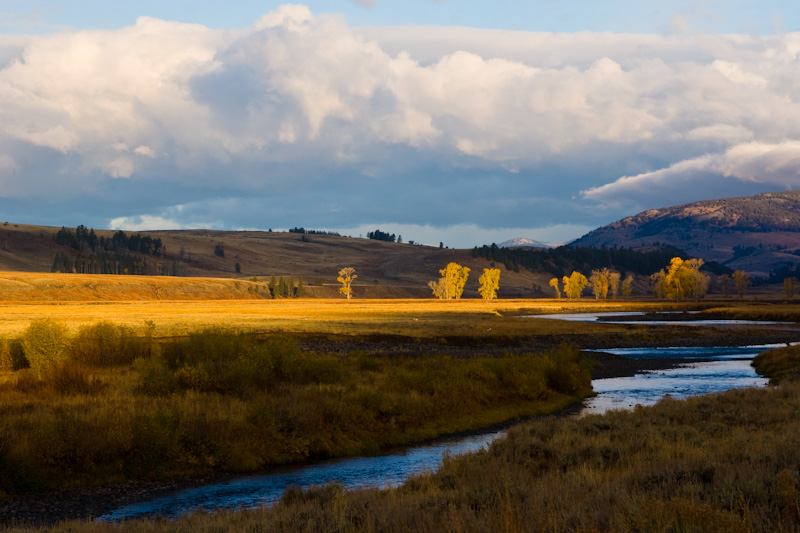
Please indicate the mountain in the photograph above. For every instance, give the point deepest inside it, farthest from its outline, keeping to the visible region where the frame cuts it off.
(757, 234)
(521, 242)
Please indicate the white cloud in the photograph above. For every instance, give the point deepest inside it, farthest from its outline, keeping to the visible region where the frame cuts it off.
(287, 107)
(150, 222)
(773, 165)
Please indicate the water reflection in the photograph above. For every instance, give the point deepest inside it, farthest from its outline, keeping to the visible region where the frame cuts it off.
(255, 491)
(690, 380)
(729, 368)
(617, 317)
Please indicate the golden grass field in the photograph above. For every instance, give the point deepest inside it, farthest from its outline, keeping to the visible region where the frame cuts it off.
(69, 426)
(178, 306)
(190, 304)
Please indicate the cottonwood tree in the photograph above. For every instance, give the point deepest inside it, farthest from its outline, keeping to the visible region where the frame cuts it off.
(680, 280)
(490, 283)
(613, 283)
(554, 284)
(346, 277)
(742, 280)
(574, 285)
(599, 281)
(627, 286)
(451, 284)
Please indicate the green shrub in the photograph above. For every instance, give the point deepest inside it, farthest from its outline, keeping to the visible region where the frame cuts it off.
(45, 344)
(107, 344)
(155, 377)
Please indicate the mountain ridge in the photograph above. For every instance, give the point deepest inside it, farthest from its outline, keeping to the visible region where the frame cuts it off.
(758, 234)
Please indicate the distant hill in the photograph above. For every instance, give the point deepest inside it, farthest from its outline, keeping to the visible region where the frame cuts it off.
(521, 242)
(758, 234)
(384, 269)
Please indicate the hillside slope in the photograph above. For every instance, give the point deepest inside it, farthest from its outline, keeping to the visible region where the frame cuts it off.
(384, 269)
(757, 234)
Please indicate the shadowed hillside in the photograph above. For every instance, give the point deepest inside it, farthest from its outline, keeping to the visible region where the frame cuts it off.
(757, 234)
(384, 269)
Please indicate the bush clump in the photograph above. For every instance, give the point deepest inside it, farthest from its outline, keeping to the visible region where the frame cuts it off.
(45, 343)
(106, 344)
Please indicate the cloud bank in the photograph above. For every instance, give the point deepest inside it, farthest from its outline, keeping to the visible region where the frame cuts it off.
(303, 120)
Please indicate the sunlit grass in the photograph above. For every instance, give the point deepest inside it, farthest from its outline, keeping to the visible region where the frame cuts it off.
(717, 463)
(414, 318)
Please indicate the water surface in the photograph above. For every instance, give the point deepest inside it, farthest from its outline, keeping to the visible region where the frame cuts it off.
(728, 368)
(255, 491)
(618, 317)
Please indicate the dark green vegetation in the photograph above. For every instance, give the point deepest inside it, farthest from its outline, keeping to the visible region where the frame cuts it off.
(758, 234)
(565, 259)
(118, 254)
(87, 240)
(108, 404)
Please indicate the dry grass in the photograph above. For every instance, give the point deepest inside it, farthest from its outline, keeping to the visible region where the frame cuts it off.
(385, 270)
(719, 463)
(413, 318)
(219, 402)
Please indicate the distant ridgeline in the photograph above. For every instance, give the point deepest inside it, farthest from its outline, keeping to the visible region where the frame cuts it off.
(564, 259)
(100, 255)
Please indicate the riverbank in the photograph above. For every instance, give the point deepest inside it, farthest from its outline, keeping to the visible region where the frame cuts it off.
(86, 503)
(216, 403)
(725, 462)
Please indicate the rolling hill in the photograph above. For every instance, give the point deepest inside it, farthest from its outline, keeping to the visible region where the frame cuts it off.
(757, 234)
(384, 269)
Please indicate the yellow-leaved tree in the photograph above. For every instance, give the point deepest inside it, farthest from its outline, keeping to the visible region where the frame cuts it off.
(613, 283)
(742, 280)
(451, 284)
(599, 280)
(346, 277)
(680, 280)
(574, 285)
(554, 284)
(627, 286)
(490, 283)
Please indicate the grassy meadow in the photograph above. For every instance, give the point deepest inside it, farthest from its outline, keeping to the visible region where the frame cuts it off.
(107, 379)
(727, 462)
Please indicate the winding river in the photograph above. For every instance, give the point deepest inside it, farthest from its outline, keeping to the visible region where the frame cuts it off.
(722, 368)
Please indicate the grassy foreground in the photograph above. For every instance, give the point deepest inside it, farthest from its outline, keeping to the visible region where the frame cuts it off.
(719, 463)
(106, 405)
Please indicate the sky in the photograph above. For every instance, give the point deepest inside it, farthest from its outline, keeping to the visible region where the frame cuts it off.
(440, 120)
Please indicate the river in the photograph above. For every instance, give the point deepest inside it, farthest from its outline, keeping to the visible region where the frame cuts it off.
(722, 368)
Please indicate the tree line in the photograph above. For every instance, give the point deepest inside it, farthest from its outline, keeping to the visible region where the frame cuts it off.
(115, 263)
(602, 281)
(564, 259)
(379, 235)
(305, 231)
(84, 240)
